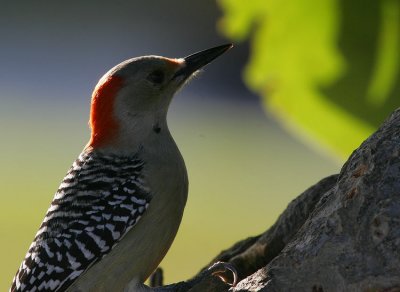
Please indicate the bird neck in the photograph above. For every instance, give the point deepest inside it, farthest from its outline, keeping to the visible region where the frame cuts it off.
(143, 134)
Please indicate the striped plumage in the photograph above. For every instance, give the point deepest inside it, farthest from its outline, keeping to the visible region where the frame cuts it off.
(109, 197)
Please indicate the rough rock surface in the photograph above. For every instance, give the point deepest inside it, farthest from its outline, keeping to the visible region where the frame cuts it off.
(342, 234)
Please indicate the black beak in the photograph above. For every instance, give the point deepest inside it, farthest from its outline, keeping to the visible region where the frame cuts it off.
(198, 60)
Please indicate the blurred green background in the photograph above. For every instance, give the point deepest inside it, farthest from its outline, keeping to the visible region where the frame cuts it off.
(328, 70)
(325, 71)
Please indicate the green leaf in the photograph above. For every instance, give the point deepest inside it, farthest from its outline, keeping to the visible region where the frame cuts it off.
(327, 69)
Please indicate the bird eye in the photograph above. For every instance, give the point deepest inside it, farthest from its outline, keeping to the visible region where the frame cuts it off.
(156, 77)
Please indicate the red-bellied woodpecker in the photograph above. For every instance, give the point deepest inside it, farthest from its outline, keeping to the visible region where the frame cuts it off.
(119, 207)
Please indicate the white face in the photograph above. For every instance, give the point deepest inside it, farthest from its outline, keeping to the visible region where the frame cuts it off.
(149, 86)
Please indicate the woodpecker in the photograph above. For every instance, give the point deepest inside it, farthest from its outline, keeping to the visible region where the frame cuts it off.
(119, 207)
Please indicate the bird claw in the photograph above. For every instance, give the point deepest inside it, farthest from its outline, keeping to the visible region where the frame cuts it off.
(157, 278)
(220, 268)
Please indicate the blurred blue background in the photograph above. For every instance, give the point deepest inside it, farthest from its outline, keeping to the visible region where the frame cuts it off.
(243, 168)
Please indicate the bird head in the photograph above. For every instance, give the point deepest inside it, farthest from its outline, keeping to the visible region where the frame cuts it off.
(131, 100)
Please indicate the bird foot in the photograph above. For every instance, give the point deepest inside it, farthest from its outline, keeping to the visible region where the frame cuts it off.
(219, 269)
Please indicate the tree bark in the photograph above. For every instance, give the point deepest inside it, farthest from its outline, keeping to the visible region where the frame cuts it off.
(342, 234)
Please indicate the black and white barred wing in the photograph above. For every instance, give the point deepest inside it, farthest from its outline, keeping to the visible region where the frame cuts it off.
(99, 200)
